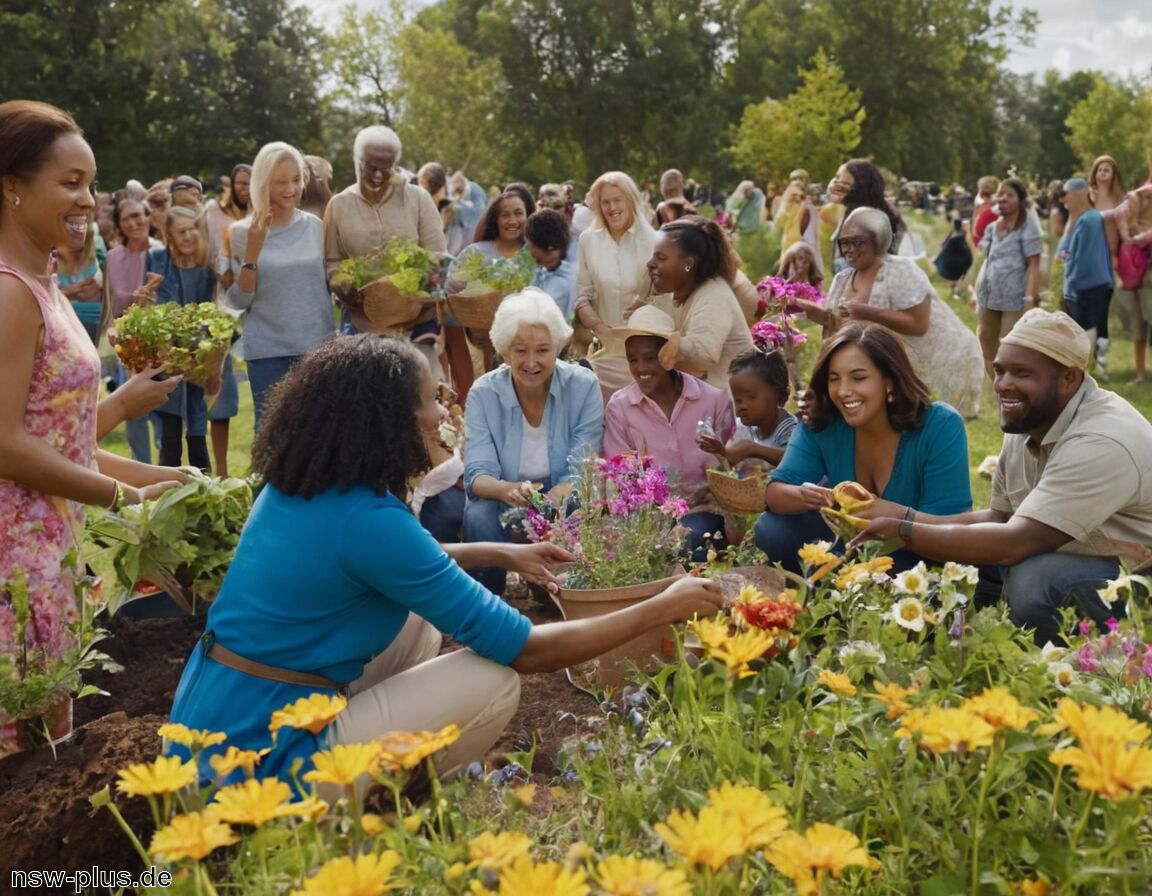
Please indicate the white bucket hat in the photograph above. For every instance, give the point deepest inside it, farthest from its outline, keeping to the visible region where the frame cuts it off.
(647, 320)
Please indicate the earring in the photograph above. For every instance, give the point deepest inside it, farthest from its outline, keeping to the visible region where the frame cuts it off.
(16, 201)
(891, 397)
(687, 267)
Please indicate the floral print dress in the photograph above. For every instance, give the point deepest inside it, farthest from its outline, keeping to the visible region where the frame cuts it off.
(37, 531)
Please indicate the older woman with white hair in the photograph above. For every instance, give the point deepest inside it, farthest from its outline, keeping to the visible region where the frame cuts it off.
(360, 220)
(893, 291)
(612, 272)
(527, 421)
(279, 280)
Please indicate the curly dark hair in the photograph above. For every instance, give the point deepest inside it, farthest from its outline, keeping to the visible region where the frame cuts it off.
(869, 190)
(345, 415)
(704, 241)
(549, 229)
(911, 397)
(488, 227)
(768, 367)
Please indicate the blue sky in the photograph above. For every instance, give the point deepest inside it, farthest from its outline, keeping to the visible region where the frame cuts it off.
(1113, 36)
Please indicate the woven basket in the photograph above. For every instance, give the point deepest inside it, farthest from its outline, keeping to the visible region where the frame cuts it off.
(214, 363)
(475, 311)
(737, 495)
(387, 307)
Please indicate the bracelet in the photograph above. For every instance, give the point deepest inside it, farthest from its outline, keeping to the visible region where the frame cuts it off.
(117, 496)
(904, 530)
(909, 514)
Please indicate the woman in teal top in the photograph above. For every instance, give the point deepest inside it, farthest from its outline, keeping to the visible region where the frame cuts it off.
(871, 420)
(337, 587)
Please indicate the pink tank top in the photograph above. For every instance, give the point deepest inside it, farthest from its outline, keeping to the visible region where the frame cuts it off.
(39, 531)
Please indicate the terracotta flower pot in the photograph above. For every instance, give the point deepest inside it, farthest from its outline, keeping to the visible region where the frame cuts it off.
(20, 735)
(608, 671)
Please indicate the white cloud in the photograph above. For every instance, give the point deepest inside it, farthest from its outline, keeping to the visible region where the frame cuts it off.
(1106, 36)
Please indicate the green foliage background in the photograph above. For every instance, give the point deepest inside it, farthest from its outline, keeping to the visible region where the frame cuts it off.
(551, 89)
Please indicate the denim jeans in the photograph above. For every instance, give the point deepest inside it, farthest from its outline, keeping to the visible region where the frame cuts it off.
(263, 374)
(482, 523)
(1038, 587)
(443, 515)
(700, 525)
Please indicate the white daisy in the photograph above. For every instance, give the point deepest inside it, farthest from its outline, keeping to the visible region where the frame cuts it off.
(913, 581)
(909, 613)
(955, 573)
(1062, 673)
(1115, 590)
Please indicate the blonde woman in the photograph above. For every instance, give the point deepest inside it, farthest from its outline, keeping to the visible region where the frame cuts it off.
(612, 272)
(278, 265)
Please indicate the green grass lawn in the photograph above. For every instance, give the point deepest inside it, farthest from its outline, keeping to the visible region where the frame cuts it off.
(984, 435)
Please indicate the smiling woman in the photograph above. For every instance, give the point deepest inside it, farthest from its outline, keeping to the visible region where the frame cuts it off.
(872, 421)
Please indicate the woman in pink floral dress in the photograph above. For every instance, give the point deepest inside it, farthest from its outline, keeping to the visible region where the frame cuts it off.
(50, 466)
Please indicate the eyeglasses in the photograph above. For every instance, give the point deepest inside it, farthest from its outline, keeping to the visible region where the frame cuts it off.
(851, 242)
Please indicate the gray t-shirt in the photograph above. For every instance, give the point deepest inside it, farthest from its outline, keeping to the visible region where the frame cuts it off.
(1000, 286)
(291, 310)
(778, 438)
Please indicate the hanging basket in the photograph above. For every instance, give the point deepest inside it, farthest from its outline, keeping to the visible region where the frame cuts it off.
(387, 307)
(607, 672)
(737, 495)
(476, 310)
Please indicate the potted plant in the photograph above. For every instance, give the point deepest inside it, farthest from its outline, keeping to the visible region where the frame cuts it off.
(623, 527)
(38, 679)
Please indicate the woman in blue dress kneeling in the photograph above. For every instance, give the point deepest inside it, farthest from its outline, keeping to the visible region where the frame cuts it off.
(871, 420)
(336, 587)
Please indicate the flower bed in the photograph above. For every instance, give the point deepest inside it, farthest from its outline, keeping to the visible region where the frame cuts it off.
(864, 733)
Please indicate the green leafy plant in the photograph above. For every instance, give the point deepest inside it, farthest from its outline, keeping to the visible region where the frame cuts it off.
(181, 339)
(482, 274)
(190, 533)
(408, 266)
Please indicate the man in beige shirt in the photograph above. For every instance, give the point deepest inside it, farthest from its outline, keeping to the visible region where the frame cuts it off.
(360, 220)
(1072, 494)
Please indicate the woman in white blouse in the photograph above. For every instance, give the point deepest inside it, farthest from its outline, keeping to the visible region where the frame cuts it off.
(612, 267)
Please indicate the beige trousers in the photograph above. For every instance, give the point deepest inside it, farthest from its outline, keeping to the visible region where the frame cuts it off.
(991, 327)
(409, 688)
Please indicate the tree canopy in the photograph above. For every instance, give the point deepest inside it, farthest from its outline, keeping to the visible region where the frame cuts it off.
(554, 89)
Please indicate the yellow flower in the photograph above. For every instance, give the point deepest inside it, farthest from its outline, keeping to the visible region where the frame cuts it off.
(1030, 887)
(741, 649)
(909, 613)
(840, 685)
(191, 836)
(365, 875)
(750, 594)
(895, 698)
(620, 876)
(758, 819)
(371, 824)
(226, 763)
(1113, 769)
(525, 794)
(709, 839)
(255, 802)
(817, 553)
(311, 713)
(822, 849)
(407, 749)
(166, 774)
(861, 573)
(1091, 724)
(712, 631)
(944, 730)
(525, 878)
(190, 737)
(413, 823)
(343, 764)
(491, 852)
(1000, 709)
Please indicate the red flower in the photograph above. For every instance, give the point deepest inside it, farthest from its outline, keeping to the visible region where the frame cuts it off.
(771, 615)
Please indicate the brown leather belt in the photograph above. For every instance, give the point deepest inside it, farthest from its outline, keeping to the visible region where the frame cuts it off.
(233, 660)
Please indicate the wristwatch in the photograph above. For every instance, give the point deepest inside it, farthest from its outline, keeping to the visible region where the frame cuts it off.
(248, 266)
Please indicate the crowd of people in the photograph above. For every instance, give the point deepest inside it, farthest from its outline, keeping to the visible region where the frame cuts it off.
(635, 336)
